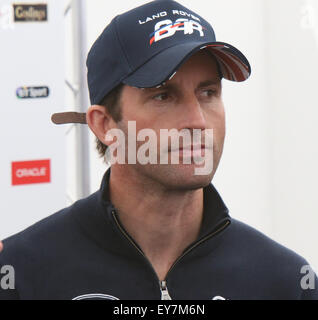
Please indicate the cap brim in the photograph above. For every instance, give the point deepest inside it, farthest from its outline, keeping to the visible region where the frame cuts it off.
(160, 68)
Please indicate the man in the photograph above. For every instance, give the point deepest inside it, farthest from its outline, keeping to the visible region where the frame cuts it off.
(155, 229)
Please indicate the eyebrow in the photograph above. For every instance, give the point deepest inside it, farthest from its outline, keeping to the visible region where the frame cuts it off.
(207, 83)
(170, 86)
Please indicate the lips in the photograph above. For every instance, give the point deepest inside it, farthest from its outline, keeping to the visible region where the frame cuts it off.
(191, 148)
(193, 151)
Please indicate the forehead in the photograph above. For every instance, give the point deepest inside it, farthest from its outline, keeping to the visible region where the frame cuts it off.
(200, 61)
(201, 66)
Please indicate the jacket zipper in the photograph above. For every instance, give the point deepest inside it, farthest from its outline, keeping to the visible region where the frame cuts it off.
(163, 284)
(164, 290)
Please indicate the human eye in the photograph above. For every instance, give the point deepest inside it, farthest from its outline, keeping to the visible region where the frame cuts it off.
(163, 96)
(208, 93)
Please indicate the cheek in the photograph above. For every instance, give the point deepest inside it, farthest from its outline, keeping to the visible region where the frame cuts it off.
(146, 128)
(141, 126)
(141, 118)
(216, 121)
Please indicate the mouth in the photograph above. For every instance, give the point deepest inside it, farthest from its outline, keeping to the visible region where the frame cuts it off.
(193, 151)
(193, 147)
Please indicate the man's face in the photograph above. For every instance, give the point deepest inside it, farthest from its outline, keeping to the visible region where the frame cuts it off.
(190, 100)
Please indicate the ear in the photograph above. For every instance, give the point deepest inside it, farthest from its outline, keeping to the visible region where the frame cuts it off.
(99, 121)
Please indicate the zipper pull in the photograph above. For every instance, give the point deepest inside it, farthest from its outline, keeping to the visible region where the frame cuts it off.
(164, 291)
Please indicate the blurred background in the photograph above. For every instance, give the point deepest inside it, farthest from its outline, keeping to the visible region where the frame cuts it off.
(268, 176)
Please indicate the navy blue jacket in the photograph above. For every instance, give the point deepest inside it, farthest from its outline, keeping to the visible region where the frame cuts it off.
(83, 252)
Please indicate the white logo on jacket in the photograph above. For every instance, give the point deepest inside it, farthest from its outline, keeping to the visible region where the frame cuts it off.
(218, 298)
(95, 296)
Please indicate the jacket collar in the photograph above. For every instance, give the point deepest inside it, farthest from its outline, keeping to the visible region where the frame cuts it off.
(95, 215)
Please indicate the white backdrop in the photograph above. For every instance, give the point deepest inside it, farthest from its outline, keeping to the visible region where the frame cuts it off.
(268, 175)
(31, 55)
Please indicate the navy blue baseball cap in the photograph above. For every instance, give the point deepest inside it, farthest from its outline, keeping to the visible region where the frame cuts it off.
(145, 46)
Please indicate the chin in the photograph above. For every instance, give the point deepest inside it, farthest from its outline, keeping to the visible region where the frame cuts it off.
(177, 177)
(186, 179)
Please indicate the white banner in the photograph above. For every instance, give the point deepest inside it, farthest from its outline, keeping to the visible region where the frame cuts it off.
(32, 71)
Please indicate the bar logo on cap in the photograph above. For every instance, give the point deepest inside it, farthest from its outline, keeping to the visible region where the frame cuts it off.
(166, 28)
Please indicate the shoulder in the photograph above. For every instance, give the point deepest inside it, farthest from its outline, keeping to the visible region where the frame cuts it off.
(256, 243)
(252, 243)
(46, 236)
(44, 247)
(278, 270)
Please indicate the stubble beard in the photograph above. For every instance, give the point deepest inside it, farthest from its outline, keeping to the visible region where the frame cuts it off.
(170, 177)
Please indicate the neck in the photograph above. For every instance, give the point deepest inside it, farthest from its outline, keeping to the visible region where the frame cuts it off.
(163, 222)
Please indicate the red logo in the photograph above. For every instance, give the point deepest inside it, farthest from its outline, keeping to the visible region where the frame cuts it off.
(29, 172)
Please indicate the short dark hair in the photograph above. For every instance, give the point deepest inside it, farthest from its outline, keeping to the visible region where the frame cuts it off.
(112, 103)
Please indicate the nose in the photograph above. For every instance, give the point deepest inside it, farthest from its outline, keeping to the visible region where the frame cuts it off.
(191, 114)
